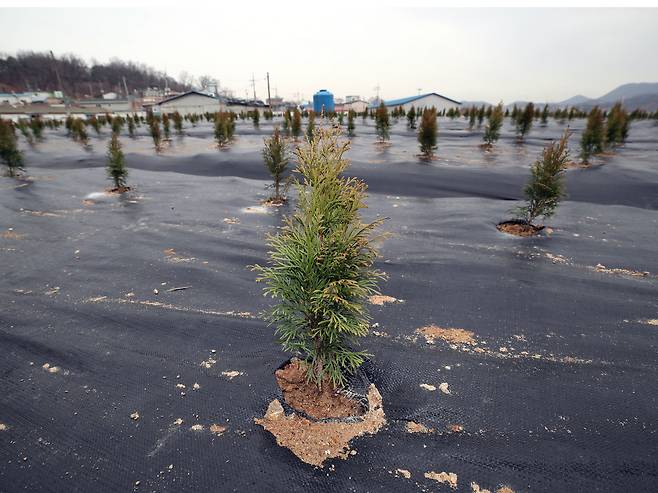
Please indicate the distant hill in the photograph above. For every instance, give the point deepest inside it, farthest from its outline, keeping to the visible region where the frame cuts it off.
(578, 99)
(626, 91)
(39, 71)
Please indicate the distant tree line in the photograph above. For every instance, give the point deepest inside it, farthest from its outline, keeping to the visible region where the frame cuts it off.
(38, 71)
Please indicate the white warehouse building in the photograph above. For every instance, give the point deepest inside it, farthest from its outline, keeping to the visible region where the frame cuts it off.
(188, 102)
(428, 100)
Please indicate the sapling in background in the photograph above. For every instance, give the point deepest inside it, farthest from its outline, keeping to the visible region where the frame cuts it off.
(275, 155)
(427, 133)
(131, 126)
(165, 126)
(95, 124)
(351, 114)
(546, 186)
(524, 121)
(36, 124)
(544, 115)
(296, 124)
(117, 124)
(178, 122)
(116, 166)
(492, 130)
(156, 133)
(310, 126)
(320, 268)
(256, 118)
(224, 128)
(617, 125)
(9, 153)
(25, 131)
(382, 123)
(592, 140)
(411, 118)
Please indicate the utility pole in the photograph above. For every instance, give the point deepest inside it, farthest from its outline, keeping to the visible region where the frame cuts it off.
(269, 99)
(125, 87)
(377, 88)
(59, 81)
(253, 84)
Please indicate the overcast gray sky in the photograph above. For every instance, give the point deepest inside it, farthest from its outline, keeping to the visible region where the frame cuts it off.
(465, 54)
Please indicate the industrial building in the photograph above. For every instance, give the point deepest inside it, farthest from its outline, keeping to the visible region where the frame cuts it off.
(187, 102)
(429, 100)
(323, 101)
(200, 102)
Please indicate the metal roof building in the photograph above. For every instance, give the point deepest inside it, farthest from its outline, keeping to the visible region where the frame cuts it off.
(429, 100)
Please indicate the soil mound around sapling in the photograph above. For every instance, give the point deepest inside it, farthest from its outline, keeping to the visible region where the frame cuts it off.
(519, 228)
(314, 442)
(274, 202)
(307, 397)
(119, 190)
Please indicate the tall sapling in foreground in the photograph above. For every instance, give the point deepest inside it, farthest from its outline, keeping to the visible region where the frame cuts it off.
(321, 265)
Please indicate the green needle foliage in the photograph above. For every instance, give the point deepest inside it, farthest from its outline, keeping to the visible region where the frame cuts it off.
(275, 155)
(544, 115)
(256, 118)
(296, 124)
(131, 126)
(166, 126)
(310, 126)
(9, 153)
(593, 138)
(224, 128)
(95, 124)
(178, 122)
(382, 122)
(79, 131)
(524, 121)
(427, 133)
(116, 166)
(117, 124)
(411, 118)
(351, 115)
(492, 130)
(618, 124)
(546, 186)
(287, 122)
(156, 133)
(321, 265)
(25, 131)
(36, 124)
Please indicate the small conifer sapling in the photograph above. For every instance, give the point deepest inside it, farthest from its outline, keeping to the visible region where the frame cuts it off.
(275, 155)
(116, 166)
(321, 266)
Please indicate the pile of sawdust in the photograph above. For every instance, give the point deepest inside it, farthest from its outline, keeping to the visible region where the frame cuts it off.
(10, 234)
(651, 321)
(449, 334)
(217, 429)
(305, 396)
(622, 272)
(413, 427)
(380, 299)
(172, 256)
(449, 478)
(315, 442)
(519, 228)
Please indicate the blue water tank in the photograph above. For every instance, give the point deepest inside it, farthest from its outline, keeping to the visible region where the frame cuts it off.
(323, 99)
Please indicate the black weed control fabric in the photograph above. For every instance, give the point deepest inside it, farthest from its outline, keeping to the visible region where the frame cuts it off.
(557, 395)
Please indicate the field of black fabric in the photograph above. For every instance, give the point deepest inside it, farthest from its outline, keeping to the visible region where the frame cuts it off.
(558, 392)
